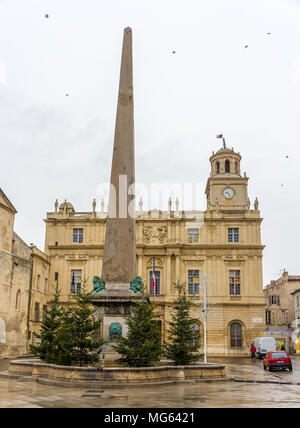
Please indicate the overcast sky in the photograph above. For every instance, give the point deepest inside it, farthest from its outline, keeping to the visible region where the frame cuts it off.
(58, 146)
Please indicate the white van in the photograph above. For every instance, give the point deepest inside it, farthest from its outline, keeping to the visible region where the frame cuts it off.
(264, 345)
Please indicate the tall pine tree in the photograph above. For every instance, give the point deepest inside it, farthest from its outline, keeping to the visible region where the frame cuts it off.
(48, 347)
(142, 346)
(181, 348)
(76, 336)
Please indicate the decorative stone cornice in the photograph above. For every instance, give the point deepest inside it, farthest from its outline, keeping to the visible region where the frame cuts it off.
(81, 247)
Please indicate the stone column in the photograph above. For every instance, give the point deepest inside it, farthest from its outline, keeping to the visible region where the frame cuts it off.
(168, 276)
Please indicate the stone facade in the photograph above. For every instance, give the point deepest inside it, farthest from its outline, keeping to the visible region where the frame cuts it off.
(41, 291)
(280, 310)
(224, 242)
(17, 264)
(296, 301)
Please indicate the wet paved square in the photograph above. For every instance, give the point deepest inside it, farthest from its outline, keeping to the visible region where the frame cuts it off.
(14, 393)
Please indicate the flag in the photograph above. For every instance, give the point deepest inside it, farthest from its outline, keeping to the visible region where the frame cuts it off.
(73, 282)
(220, 136)
(236, 280)
(153, 276)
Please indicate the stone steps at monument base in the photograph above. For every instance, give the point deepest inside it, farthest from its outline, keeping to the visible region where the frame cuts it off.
(97, 385)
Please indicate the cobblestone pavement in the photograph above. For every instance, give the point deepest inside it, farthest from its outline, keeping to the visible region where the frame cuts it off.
(15, 393)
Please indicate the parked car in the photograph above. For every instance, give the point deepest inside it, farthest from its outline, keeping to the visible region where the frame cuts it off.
(264, 345)
(277, 360)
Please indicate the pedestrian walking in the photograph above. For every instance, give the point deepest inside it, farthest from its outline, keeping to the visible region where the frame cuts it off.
(253, 351)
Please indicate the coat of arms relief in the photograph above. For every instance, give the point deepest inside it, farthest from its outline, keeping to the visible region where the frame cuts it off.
(155, 234)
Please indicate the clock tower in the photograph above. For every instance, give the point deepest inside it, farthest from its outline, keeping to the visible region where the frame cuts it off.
(226, 189)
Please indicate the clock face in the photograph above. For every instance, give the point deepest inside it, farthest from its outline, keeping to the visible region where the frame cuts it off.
(228, 193)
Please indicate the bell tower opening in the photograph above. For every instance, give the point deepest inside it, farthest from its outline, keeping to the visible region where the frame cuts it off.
(227, 166)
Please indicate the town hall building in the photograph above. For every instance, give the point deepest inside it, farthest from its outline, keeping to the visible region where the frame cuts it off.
(224, 242)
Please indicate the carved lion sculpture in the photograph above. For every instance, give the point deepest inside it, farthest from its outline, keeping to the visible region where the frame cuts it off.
(99, 284)
(137, 285)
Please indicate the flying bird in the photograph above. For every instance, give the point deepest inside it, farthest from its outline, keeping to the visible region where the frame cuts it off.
(173, 52)
(246, 46)
(46, 15)
(269, 34)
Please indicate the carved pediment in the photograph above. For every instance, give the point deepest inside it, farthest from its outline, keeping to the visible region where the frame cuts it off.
(230, 261)
(192, 261)
(158, 262)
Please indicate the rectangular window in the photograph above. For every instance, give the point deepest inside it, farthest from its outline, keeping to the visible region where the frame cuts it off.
(233, 234)
(272, 318)
(78, 235)
(193, 282)
(38, 282)
(283, 320)
(46, 286)
(157, 283)
(193, 235)
(274, 300)
(36, 311)
(268, 317)
(55, 276)
(235, 282)
(75, 281)
(44, 312)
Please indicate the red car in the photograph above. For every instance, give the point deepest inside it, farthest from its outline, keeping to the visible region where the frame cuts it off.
(277, 360)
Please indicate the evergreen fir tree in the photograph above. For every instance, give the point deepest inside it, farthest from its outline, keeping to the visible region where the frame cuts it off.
(76, 336)
(48, 347)
(180, 348)
(142, 346)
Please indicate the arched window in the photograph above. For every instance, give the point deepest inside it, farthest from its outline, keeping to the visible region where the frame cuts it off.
(227, 166)
(18, 300)
(196, 331)
(218, 167)
(237, 170)
(236, 335)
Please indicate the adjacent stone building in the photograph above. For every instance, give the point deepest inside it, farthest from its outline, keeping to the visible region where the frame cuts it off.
(224, 242)
(280, 309)
(17, 269)
(296, 336)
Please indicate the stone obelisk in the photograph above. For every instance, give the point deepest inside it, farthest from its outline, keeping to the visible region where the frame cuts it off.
(114, 299)
(119, 257)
